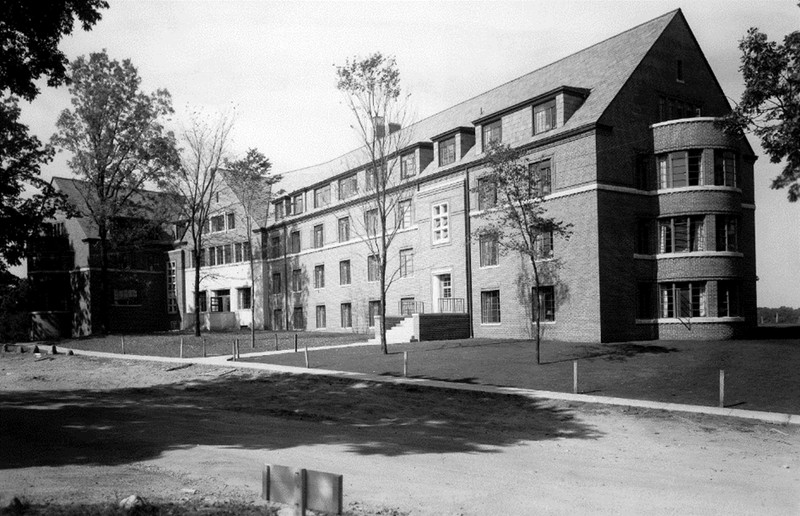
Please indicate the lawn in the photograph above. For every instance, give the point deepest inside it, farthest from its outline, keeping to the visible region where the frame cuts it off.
(759, 374)
(215, 344)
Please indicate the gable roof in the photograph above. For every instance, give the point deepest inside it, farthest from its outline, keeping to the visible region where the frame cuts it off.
(260, 201)
(603, 69)
(74, 190)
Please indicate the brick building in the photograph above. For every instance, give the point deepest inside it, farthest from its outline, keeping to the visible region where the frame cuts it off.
(661, 202)
(65, 265)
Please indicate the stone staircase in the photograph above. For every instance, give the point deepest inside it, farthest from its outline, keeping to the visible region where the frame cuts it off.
(397, 330)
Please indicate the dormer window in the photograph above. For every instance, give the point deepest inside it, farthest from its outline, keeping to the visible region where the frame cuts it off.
(408, 166)
(492, 132)
(447, 151)
(296, 206)
(544, 117)
(348, 187)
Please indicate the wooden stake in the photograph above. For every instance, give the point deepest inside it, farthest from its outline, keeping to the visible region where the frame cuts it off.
(307, 356)
(181, 347)
(123, 345)
(204, 347)
(276, 342)
(233, 349)
(405, 363)
(574, 377)
(295, 343)
(721, 388)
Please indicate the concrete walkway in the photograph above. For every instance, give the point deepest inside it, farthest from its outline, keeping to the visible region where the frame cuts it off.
(225, 361)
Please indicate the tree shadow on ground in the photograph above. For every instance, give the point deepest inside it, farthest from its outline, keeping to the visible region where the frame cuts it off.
(268, 412)
(614, 352)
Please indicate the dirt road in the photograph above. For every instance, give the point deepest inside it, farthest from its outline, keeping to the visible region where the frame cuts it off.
(77, 429)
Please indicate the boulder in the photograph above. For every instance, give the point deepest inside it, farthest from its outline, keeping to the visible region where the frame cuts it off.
(131, 502)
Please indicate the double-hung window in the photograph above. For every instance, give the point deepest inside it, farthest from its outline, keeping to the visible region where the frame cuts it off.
(487, 193)
(344, 272)
(319, 236)
(440, 223)
(447, 151)
(294, 242)
(347, 315)
(348, 187)
(322, 196)
(544, 302)
(406, 263)
(544, 117)
(373, 268)
(490, 307)
(277, 288)
(488, 250)
(404, 214)
(321, 322)
(408, 166)
(371, 222)
(297, 280)
(344, 229)
(297, 204)
(319, 276)
(492, 132)
(541, 176)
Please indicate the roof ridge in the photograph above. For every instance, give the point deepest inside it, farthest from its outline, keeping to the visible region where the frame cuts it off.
(505, 84)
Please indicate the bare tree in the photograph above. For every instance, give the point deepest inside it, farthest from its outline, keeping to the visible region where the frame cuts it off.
(512, 194)
(196, 183)
(251, 182)
(371, 88)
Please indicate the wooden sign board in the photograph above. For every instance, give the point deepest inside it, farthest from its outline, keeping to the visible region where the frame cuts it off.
(303, 489)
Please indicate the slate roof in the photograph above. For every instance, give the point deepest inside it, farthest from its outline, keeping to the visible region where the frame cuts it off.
(602, 68)
(72, 188)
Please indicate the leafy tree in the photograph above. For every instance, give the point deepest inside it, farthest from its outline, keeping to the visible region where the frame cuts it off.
(371, 88)
(249, 179)
(516, 216)
(29, 37)
(21, 213)
(196, 182)
(118, 145)
(770, 103)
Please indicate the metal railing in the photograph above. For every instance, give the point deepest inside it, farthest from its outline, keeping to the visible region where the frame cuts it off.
(451, 305)
(410, 307)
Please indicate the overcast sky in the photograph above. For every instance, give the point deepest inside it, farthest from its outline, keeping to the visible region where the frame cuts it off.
(274, 64)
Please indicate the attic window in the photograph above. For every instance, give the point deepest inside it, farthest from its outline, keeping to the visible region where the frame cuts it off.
(679, 70)
(544, 117)
(492, 132)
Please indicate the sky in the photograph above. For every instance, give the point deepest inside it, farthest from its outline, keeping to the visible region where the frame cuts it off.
(272, 64)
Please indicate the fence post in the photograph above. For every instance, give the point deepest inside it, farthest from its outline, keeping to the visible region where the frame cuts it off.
(306, 352)
(574, 377)
(237, 350)
(721, 388)
(276, 342)
(204, 347)
(181, 347)
(295, 343)
(233, 349)
(405, 363)
(123, 344)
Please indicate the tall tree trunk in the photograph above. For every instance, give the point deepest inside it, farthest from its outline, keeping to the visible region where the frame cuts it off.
(196, 292)
(105, 298)
(537, 312)
(252, 296)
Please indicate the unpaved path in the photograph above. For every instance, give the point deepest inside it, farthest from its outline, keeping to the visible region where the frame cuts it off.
(79, 429)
